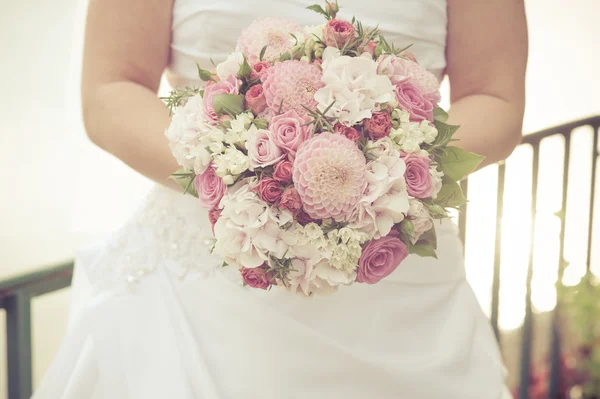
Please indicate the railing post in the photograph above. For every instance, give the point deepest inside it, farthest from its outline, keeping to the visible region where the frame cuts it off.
(18, 337)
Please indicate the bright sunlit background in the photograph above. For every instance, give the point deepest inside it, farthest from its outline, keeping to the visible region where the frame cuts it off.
(52, 202)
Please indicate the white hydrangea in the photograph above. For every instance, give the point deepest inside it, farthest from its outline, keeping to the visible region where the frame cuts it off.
(248, 230)
(230, 164)
(385, 146)
(185, 133)
(352, 85)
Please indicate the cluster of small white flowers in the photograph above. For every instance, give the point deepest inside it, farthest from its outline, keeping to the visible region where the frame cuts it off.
(238, 132)
(230, 164)
(409, 136)
(436, 180)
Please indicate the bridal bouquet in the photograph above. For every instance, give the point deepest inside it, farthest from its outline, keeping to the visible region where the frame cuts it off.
(320, 153)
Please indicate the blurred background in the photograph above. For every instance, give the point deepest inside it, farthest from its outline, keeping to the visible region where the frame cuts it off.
(53, 203)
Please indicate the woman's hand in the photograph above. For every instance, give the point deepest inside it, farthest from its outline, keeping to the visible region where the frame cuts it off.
(126, 51)
(487, 57)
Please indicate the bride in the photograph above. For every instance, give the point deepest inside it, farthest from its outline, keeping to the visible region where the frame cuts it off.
(162, 320)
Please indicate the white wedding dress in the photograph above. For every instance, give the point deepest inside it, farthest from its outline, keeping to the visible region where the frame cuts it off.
(161, 319)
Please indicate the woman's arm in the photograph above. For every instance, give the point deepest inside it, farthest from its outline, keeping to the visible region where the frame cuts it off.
(487, 57)
(126, 51)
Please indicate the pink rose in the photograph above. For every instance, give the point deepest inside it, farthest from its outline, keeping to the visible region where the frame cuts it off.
(288, 131)
(210, 188)
(256, 277)
(262, 150)
(283, 172)
(338, 33)
(380, 258)
(332, 8)
(255, 99)
(349, 132)
(401, 70)
(259, 69)
(291, 200)
(412, 100)
(213, 215)
(418, 179)
(379, 125)
(269, 190)
(230, 85)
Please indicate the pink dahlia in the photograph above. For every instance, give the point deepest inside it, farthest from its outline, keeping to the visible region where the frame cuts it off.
(272, 32)
(329, 174)
(290, 85)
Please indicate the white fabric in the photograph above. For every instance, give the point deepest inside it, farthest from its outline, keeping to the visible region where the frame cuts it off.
(155, 317)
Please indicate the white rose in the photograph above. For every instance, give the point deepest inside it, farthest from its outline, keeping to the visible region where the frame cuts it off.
(383, 147)
(230, 66)
(420, 217)
(353, 84)
(436, 180)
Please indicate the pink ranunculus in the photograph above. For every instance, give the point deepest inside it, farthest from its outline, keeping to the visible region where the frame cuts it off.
(269, 190)
(283, 172)
(262, 150)
(291, 200)
(338, 33)
(259, 69)
(256, 277)
(418, 179)
(349, 132)
(255, 99)
(412, 100)
(231, 85)
(379, 125)
(288, 132)
(213, 215)
(210, 188)
(380, 258)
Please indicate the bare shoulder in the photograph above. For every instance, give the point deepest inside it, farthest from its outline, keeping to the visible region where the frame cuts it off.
(487, 47)
(126, 40)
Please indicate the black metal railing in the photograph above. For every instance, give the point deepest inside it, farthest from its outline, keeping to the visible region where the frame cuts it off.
(16, 294)
(15, 299)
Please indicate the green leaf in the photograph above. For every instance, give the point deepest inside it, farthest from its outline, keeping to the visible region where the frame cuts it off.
(445, 133)
(262, 53)
(424, 250)
(440, 115)
(437, 212)
(245, 69)
(204, 74)
(285, 57)
(260, 123)
(458, 163)
(451, 195)
(231, 104)
(318, 9)
(185, 179)
(429, 238)
(407, 227)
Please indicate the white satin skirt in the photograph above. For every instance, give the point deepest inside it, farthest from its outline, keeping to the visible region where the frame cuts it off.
(163, 331)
